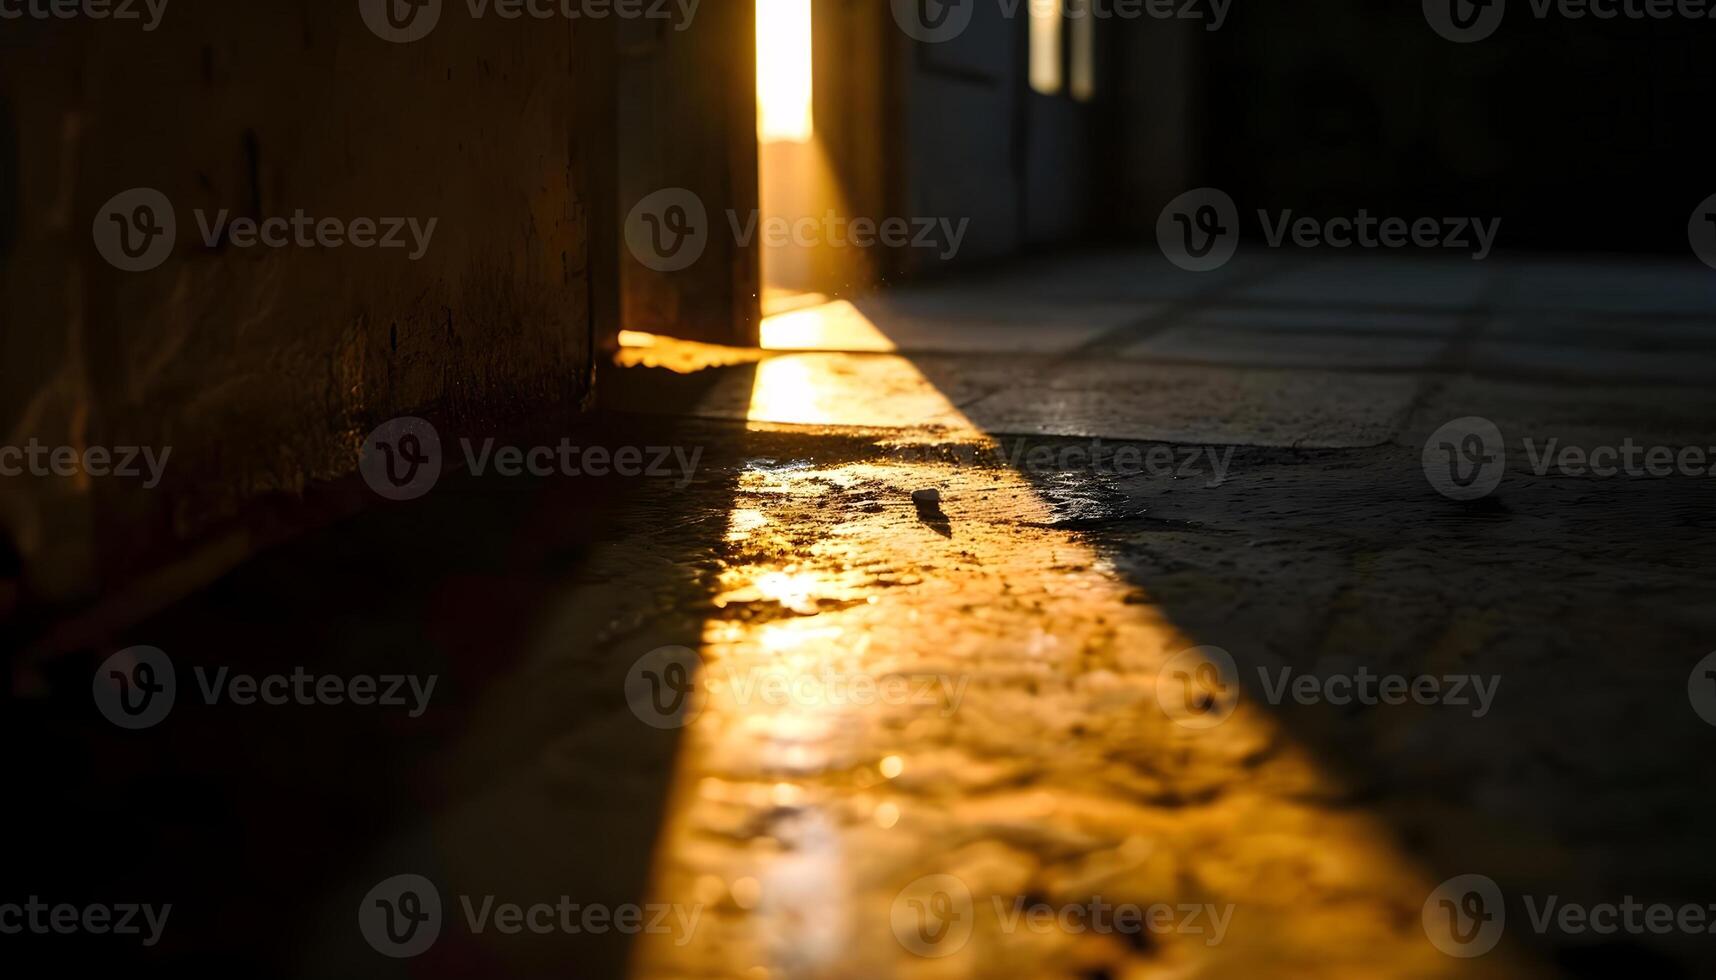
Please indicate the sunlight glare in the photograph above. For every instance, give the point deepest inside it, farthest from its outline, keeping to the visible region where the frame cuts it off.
(784, 71)
(831, 326)
(1046, 18)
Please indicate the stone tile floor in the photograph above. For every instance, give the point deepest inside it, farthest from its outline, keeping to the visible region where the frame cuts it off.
(927, 740)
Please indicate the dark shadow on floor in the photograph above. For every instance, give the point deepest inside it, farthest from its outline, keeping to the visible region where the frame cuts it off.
(526, 778)
(1585, 599)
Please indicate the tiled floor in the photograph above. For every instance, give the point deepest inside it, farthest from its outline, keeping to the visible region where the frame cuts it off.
(1045, 615)
(1320, 545)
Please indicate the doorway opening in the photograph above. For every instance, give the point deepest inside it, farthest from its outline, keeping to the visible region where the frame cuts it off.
(797, 227)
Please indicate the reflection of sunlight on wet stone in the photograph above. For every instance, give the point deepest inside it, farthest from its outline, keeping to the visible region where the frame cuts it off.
(836, 389)
(744, 521)
(1059, 776)
(803, 909)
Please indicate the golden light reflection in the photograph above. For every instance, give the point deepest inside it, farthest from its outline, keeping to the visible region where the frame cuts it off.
(1047, 16)
(829, 326)
(648, 350)
(833, 389)
(1056, 767)
(1084, 53)
(784, 90)
(780, 300)
(789, 394)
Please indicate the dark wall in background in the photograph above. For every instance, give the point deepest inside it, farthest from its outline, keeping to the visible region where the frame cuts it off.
(961, 134)
(1586, 135)
(686, 120)
(263, 368)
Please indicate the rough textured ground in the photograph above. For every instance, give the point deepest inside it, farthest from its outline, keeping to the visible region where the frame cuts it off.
(1048, 742)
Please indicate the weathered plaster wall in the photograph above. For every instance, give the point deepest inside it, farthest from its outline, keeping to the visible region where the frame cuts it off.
(264, 368)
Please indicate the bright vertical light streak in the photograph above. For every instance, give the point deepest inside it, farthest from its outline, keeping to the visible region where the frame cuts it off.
(783, 71)
(1046, 18)
(1083, 51)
